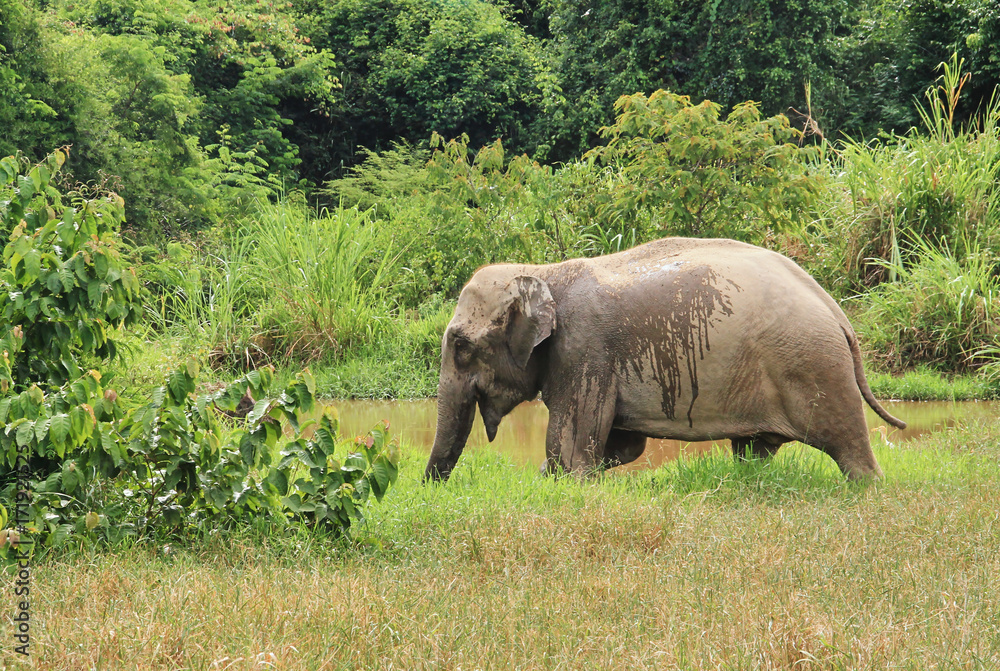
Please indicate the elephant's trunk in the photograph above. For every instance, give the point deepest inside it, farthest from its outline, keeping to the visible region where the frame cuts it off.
(456, 410)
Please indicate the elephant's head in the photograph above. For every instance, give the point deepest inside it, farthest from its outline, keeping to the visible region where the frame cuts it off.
(487, 358)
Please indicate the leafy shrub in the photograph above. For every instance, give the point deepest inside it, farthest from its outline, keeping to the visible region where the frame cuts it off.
(685, 171)
(63, 285)
(173, 466)
(97, 465)
(384, 180)
(942, 311)
(462, 209)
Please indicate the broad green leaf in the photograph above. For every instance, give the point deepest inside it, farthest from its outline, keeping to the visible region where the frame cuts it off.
(32, 265)
(53, 282)
(379, 477)
(310, 381)
(293, 503)
(70, 478)
(94, 291)
(249, 449)
(279, 480)
(81, 422)
(325, 440)
(59, 428)
(101, 265)
(60, 535)
(25, 432)
(110, 445)
(179, 385)
(42, 429)
(260, 409)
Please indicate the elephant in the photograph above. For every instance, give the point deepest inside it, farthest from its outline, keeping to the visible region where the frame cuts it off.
(682, 338)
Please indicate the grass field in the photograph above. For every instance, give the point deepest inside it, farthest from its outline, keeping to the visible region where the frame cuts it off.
(702, 564)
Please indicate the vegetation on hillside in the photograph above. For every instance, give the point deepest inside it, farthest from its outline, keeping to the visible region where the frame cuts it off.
(187, 108)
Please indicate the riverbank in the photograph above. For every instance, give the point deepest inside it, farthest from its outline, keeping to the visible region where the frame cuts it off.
(700, 564)
(405, 367)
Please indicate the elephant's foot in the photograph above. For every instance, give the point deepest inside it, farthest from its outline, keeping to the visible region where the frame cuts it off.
(555, 468)
(552, 467)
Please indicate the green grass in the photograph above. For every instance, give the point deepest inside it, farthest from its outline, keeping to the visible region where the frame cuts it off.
(924, 384)
(701, 564)
(404, 364)
(327, 277)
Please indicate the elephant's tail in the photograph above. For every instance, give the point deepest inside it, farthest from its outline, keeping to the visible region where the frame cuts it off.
(866, 391)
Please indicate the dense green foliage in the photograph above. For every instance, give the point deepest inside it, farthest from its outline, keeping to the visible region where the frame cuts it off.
(413, 67)
(99, 466)
(313, 183)
(189, 109)
(910, 222)
(685, 171)
(728, 52)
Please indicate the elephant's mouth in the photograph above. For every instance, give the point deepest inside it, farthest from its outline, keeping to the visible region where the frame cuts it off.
(491, 418)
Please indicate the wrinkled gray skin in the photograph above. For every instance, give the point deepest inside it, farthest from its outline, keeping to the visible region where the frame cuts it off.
(679, 338)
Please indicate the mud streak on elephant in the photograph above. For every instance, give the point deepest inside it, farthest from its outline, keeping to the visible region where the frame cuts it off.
(692, 300)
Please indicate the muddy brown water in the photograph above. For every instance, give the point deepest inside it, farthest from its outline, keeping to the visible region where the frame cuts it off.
(521, 435)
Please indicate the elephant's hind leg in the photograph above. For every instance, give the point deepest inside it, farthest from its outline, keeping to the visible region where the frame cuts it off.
(844, 436)
(762, 446)
(623, 447)
(854, 457)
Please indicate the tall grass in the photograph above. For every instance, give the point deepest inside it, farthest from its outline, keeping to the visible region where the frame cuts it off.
(327, 277)
(203, 300)
(943, 310)
(287, 282)
(937, 184)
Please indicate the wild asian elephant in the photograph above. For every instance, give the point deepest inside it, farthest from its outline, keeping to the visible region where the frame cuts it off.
(679, 338)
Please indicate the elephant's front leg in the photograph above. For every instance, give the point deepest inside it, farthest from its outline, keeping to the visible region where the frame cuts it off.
(579, 424)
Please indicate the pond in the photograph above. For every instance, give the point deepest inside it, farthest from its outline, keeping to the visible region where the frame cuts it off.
(522, 433)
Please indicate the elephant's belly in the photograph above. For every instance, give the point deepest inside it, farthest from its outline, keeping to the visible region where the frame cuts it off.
(682, 429)
(708, 416)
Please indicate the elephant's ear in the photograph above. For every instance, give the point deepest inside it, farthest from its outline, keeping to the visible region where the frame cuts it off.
(532, 316)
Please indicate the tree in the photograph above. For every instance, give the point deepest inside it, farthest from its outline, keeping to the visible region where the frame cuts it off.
(413, 67)
(728, 52)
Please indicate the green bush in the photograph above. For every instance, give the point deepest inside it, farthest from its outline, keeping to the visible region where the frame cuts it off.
(462, 209)
(100, 467)
(728, 52)
(64, 288)
(942, 311)
(938, 186)
(327, 277)
(413, 67)
(683, 170)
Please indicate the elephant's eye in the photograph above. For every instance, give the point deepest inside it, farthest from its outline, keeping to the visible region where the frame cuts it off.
(463, 349)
